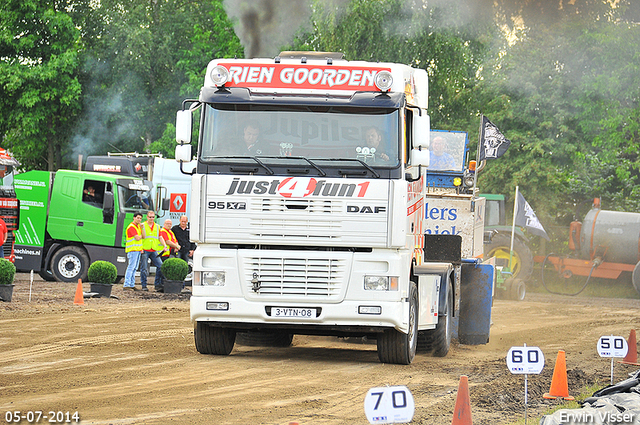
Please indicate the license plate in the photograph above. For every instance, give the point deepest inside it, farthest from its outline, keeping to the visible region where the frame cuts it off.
(302, 313)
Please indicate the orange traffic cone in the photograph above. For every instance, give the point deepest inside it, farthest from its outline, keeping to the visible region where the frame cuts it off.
(632, 355)
(79, 298)
(559, 386)
(462, 411)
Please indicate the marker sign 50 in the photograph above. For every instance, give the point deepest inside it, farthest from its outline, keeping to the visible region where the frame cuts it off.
(612, 346)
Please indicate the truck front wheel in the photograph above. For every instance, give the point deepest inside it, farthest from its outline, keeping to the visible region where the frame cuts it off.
(213, 340)
(395, 346)
(69, 264)
(438, 341)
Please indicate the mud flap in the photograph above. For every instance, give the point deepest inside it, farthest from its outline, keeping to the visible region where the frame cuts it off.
(474, 320)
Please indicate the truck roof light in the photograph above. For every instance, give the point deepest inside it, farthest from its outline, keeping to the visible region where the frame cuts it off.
(383, 80)
(219, 75)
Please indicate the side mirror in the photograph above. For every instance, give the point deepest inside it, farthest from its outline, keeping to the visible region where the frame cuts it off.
(183, 153)
(166, 204)
(419, 157)
(421, 130)
(183, 127)
(108, 208)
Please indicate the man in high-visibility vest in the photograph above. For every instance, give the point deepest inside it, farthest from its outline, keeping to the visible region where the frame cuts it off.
(133, 249)
(152, 246)
(170, 239)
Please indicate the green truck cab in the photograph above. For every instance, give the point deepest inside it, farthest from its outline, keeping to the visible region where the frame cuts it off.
(69, 219)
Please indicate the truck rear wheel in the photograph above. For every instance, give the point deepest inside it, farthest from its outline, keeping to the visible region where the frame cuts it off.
(522, 257)
(213, 340)
(69, 264)
(397, 347)
(438, 341)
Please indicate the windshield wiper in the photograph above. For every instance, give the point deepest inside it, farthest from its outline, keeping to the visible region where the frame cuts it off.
(255, 158)
(364, 164)
(314, 165)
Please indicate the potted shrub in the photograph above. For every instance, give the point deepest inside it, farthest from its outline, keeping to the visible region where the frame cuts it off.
(174, 271)
(102, 275)
(7, 273)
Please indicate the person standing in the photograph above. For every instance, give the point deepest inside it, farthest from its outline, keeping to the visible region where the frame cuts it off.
(152, 245)
(4, 232)
(133, 249)
(170, 239)
(182, 235)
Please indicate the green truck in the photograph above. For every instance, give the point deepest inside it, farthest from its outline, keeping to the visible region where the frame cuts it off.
(64, 228)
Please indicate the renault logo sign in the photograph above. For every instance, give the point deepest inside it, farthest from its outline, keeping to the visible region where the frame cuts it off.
(178, 203)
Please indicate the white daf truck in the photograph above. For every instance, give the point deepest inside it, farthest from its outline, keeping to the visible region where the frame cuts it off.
(306, 223)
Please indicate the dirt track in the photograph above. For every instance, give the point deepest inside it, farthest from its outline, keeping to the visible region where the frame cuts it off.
(132, 360)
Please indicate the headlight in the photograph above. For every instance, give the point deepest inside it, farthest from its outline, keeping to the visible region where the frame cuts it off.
(380, 283)
(383, 80)
(219, 75)
(213, 278)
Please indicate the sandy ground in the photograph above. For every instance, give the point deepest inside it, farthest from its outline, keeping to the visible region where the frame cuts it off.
(132, 360)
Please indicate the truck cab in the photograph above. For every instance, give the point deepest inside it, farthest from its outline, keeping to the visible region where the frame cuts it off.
(9, 204)
(70, 219)
(309, 205)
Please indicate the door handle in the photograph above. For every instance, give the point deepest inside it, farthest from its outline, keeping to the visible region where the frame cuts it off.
(80, 223)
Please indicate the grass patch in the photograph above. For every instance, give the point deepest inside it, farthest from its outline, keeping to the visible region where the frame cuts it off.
(585, 393)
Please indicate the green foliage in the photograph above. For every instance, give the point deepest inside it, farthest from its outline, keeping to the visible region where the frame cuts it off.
(102, 272)
(561, 80)
(568, 98)
(7, 272)
(39, 85)
(174, 269)
(441, 39)
(145, 61)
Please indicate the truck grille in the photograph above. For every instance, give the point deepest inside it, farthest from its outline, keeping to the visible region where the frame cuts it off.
(294, 277)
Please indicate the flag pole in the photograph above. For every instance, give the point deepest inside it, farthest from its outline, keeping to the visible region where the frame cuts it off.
(475, 173)
(513, 229)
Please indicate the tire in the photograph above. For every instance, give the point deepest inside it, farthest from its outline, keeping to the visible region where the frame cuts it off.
(635, 277)
(47, 275)
(397, 347)
(518, 290)
(438, 341)
(69, 264)
(213, 340)
(264, 339)
(522, 258)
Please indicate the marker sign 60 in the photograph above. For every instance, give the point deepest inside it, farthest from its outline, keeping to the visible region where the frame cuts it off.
(525, 360)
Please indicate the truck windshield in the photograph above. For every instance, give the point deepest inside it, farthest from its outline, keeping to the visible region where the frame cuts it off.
(230, 132)
(135, 199)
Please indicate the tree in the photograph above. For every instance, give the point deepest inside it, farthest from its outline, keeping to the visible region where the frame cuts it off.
(442, 39)
(567, 96)
(142, 61)
(39, 84)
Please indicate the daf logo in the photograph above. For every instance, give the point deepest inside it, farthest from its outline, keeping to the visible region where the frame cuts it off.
(366, 209)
